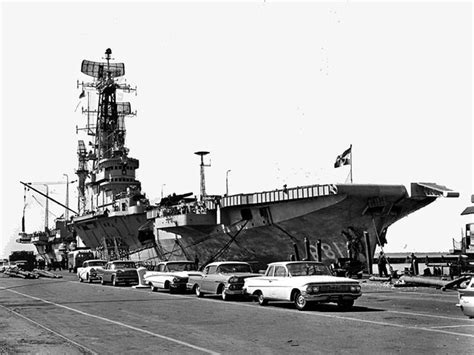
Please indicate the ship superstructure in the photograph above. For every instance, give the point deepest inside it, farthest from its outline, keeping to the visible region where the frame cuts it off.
(111, 205)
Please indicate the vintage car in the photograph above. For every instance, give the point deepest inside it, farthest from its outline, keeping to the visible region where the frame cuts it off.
(120, 271)
(225, 278)
(302, 282)
(91, 270)
(171, 275)
(466, 299)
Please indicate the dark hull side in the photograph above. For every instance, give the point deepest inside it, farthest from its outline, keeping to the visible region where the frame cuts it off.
(268, 232)
(116, 236)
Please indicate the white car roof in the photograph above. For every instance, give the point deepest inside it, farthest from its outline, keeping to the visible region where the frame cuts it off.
(218, 263)
(284, 263)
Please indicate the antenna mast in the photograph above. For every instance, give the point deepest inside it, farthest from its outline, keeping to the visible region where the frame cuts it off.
(203, 180)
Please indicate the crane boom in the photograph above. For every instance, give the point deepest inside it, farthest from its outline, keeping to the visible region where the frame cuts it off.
(50, 198)
(48, 183)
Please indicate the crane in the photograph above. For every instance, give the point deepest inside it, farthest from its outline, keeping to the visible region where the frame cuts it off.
(47, 184)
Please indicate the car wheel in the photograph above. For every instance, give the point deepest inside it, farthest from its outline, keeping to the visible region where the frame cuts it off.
(225, 296)
(80, 278)
(88, 278)
(153, 288)
(114, 281)
(102, 281)
(300, 301)
(197, 290)
(261, 300)
(346, 304)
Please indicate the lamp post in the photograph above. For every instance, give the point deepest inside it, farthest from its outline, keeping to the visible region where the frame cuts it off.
(66, 212)
(227, 182)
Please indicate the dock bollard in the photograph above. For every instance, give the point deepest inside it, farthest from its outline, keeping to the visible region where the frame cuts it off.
(141, 281)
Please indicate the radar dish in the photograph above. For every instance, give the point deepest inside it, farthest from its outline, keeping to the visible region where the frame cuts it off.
(97, 70)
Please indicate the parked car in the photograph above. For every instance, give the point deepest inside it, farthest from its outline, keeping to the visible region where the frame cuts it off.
(302, 282)
(225, 278)
(91, 270)
(120, 271)
(171, 275)
(76, 258)
(466, 299)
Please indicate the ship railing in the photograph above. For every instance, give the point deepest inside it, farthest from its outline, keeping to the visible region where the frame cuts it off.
(295, 193)
(183, 208)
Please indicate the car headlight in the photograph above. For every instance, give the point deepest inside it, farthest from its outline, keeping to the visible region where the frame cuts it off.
(176, 279)
(355, 288)
(233, 279)
(312, 289)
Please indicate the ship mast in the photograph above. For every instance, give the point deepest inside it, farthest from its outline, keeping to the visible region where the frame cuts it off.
(202, 176)
(111, 171)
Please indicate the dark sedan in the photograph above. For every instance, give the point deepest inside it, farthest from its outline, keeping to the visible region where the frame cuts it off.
(120, 272)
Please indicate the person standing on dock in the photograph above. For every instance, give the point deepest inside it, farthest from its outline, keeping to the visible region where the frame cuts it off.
(382, 264)
(413, 264)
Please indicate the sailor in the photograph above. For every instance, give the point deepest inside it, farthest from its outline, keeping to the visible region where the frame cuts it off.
(382, 264)
(413, 264)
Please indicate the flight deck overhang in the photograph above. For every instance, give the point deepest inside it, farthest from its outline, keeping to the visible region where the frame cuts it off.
(428, 189)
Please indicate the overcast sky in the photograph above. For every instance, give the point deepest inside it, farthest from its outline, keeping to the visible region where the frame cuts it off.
(275, 91)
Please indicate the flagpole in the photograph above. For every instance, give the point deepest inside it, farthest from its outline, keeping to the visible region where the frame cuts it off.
(352, 155)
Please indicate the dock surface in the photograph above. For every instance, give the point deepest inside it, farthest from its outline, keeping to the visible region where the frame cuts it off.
(58, 316)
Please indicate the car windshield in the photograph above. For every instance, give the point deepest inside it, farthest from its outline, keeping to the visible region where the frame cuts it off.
(181, 266)
(305, 269)
(232, 268)
(125, 265)
(96, 263)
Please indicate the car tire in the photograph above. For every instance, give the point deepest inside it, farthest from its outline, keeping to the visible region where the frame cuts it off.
(197, 290)
(225, 296)
(261, 299)
(80, 279)
(153, 288)
(300, 302)
(88, 278)
(114, 281)
(102, 281)
(346, 304)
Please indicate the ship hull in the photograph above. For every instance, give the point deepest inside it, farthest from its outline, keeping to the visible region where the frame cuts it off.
(349, 223)
(115, 236)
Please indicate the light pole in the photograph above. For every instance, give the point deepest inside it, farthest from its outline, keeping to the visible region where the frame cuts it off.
(66, 212)
(46, 222)
(227, 182)
(162, 190)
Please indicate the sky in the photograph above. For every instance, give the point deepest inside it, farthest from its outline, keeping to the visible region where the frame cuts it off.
(274, 90)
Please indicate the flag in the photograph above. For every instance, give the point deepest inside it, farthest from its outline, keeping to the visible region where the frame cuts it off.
(344, 158)
(83, 94)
